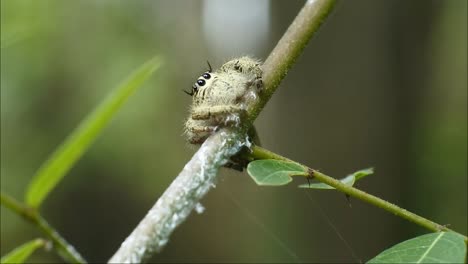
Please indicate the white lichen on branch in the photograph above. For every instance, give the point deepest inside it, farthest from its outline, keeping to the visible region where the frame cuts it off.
(181, 197)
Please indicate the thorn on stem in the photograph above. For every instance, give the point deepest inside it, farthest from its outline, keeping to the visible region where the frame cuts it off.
(443, 227)
(348, 198)
(310, 176)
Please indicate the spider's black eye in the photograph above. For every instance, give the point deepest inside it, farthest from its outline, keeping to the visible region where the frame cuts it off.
(201, 82)
(206, 76)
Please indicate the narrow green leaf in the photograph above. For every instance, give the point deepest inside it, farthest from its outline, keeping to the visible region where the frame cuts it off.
(21, 253)
(348, 180)
(442, 247)
(68, 153)
(274, 172)
(13, 36)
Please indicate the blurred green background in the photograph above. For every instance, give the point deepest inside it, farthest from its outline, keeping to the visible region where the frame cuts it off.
(382, 84)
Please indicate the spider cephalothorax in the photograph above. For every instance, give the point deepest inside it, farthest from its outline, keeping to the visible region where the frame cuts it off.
(221, 98)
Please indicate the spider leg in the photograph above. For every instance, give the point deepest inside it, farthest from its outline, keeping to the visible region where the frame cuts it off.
(197, 140)
(200, 129)
(200, 133)
(256, 82)
(217, 110)
(196, 132)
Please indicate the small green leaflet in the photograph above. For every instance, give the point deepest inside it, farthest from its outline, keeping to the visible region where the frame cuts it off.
(75, 145)
(348, 180)
(442, 247)
(21, 253)
(269, 172)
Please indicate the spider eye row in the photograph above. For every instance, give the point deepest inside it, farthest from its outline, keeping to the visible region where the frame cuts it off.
(205, 76)
(202, 80)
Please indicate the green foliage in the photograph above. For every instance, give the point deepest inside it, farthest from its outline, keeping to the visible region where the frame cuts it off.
(13, 37)
(348, 180)
(271, 172)
(439, 139)
(68, 153)
(21, 253)
(442, 247)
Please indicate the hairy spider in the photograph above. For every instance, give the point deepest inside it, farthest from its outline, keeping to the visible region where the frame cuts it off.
(220, 98)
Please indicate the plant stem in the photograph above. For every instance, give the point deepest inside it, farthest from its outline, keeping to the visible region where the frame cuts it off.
(261, 153)
(289, 47)
(64, 249)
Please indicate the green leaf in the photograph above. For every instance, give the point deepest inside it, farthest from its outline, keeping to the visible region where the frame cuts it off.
(21, 253)
(442, 247)
(69, 152)
(13, 35)
(348, 180)
(274, 172)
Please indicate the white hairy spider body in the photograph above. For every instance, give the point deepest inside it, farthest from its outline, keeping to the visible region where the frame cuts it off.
(221, 98)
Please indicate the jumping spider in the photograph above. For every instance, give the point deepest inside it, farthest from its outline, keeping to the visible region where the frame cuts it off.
(221, 98)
